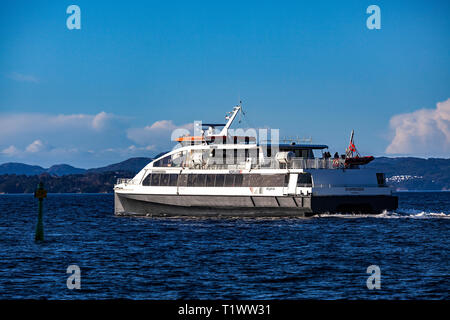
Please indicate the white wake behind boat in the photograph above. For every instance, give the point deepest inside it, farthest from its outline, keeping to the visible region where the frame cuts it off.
(220, 174)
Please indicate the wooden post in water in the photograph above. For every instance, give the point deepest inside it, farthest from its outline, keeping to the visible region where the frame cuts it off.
(40, 193)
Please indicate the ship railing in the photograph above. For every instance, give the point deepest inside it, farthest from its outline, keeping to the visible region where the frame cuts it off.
(268, 163)
(226, 166)
(238, 163)
(303, 163)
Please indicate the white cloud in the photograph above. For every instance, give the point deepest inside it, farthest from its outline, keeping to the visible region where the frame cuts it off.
(422, 132)
(33, 126)
(20, 77)
(130, 150)
(101, 119)
(10, 151)
(35, 146)
(160, 133)
(47, 139)
(85, 140)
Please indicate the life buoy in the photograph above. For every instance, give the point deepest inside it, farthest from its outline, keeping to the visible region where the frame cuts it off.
(335, 163)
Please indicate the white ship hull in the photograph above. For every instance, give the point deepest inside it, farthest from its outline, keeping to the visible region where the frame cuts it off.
(343, 192)
(241, 206)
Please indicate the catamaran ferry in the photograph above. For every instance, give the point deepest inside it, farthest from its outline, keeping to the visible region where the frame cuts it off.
(217, 173)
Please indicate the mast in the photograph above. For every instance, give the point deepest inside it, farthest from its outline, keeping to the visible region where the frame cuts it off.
(351, 146)
(351, 137)
(230, 117)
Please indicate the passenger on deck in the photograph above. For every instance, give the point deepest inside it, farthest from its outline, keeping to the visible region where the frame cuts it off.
(336, 155)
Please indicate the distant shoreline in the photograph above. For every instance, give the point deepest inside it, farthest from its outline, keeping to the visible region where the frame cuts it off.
(112, 193)
(399, 191)
(53, 193)
(403, 175)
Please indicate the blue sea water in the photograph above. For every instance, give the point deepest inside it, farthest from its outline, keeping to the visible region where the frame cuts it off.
(178, 258)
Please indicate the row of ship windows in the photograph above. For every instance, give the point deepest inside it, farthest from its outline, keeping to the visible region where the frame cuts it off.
(223, 180)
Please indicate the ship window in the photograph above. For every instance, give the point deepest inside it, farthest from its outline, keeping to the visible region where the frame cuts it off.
(246, 180)
(164, 180)
(238, 180)
(201, 178)
(182, 180)
(229, 180)
(210, 179)
(381, 179)
(255, 180)
(164, 162)
(264, 181)
(269, 152)
(275, 180)
(173, 180)
(155, 179)
(219, 180)
(192, 180)
(148, 180)
(304, 180)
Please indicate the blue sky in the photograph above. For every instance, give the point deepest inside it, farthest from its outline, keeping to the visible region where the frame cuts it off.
(136, 70)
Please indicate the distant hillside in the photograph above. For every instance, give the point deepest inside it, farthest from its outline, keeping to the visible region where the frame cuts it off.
(414, 173)
(64, 169)
(131, 165)
(73, 183)
(20, 168)
(29, 170)
(22, 178)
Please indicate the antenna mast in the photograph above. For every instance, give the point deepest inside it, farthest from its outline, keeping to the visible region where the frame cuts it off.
(230, 117)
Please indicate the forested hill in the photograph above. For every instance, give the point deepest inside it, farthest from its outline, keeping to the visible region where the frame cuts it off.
(22, 178)
(132, 164)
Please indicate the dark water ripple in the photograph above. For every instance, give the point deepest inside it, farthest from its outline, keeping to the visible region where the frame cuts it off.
(177, 258)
